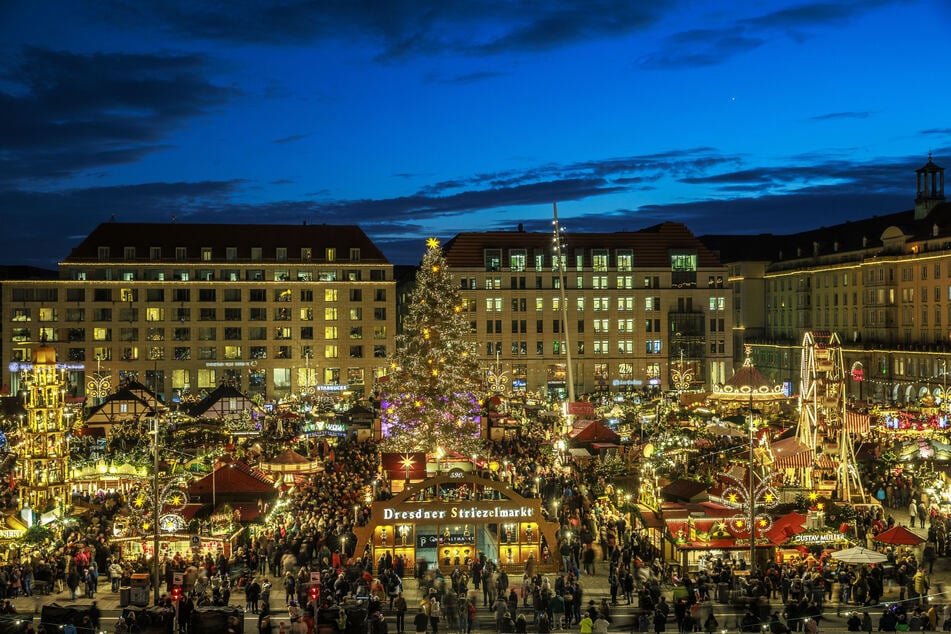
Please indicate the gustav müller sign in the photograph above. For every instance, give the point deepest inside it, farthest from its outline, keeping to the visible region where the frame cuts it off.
(460, 512)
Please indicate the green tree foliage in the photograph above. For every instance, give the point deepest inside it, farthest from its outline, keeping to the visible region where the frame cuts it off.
(435, 381)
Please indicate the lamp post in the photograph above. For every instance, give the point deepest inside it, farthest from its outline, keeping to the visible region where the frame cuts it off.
(155, 511)
(563, 279)
(752, 491)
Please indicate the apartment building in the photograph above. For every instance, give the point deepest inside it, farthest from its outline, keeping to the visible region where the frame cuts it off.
(882, 283)
(643, 308)
(182, 308)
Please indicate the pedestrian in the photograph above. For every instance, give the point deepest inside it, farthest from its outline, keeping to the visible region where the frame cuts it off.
(399, 606)
(421, 620)
(72, 582)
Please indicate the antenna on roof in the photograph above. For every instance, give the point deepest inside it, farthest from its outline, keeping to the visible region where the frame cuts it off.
(173, 218)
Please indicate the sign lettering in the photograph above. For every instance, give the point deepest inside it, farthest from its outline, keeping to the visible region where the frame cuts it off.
(457, 512)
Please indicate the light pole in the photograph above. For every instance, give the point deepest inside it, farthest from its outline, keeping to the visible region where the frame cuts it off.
(562, 280)
(752, 491)
(155, 511)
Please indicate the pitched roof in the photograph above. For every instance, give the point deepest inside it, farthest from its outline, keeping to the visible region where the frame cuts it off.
(594, 431)
(651, 247)
(684, 490)
(288, 457)
(169, 237)
(234, 477)
(850, 236)
(223, 391)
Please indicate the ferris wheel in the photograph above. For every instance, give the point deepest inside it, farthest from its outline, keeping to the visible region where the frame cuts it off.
(822, 414)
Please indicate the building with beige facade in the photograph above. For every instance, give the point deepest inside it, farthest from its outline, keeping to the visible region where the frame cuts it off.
(644, 308)
(182, 308)
(882, 283)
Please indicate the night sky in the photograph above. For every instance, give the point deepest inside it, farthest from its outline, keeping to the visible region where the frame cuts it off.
(428, 117)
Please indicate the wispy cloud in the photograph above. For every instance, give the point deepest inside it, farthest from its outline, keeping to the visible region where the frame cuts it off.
(399, 29)
(841, 115)
(291, 138)
(717, 44)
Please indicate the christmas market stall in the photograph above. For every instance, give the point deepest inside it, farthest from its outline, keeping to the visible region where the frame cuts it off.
(448, 520)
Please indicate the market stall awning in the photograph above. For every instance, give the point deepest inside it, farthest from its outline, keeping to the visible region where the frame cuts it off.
(899, 535)
(790, 453)
(785, 527)
(827, 462)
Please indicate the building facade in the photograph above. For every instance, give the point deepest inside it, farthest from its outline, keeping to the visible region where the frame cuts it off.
(183, 308)
(645, 308)
(883, 284)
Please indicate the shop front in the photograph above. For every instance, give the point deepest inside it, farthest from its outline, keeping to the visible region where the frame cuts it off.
(448, 520)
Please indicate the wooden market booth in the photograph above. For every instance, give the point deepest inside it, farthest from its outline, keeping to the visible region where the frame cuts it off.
(450, 518)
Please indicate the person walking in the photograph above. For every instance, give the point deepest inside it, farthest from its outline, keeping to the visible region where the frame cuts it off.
(912, 512)
(421, 620)
(399, 606)
(115, 575)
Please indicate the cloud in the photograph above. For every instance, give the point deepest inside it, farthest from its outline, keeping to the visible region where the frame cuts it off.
(62, 113)
(291, 138)
(467, 78)
(75, 212)
(401, 28)
(695, 49)
(841, 115)
(732, 197)
(939, 131)
(708, 47)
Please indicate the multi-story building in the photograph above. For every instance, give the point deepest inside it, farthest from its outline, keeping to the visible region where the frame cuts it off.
(882, 283)
(183, 308)
(642, 308)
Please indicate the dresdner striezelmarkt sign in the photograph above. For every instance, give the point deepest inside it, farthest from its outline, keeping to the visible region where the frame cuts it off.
(460, 512)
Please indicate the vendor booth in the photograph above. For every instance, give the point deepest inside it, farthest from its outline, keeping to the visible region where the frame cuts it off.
(449, 519)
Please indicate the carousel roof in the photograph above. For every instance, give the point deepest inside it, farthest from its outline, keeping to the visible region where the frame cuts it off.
(748, 384)
(288, 457)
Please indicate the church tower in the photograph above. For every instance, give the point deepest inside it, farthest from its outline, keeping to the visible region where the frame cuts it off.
(930, 188)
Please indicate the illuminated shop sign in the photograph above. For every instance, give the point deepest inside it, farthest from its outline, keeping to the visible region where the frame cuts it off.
(319, 427)
(818, 538)
(16, 366)
(460, 512)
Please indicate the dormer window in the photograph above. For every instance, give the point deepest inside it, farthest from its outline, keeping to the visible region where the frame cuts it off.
(102, 253)
(128, 253)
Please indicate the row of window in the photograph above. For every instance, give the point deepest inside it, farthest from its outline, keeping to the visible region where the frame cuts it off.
(598, 304)
(597, 282)
(494, 326)
(210, 333)
(599, 346)
(210, 254)
(157, 314)
(209, 378)
(597, 259)
(210, 353)
(224, 275)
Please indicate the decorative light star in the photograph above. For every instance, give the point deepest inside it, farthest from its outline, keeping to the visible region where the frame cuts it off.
(432, 243)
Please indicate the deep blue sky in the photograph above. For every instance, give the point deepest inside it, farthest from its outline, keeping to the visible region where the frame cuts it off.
(429, 117)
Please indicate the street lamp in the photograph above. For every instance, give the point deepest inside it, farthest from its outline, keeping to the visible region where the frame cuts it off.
(155, 510)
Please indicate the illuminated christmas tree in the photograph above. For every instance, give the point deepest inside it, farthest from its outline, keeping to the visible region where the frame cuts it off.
(435, 380)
